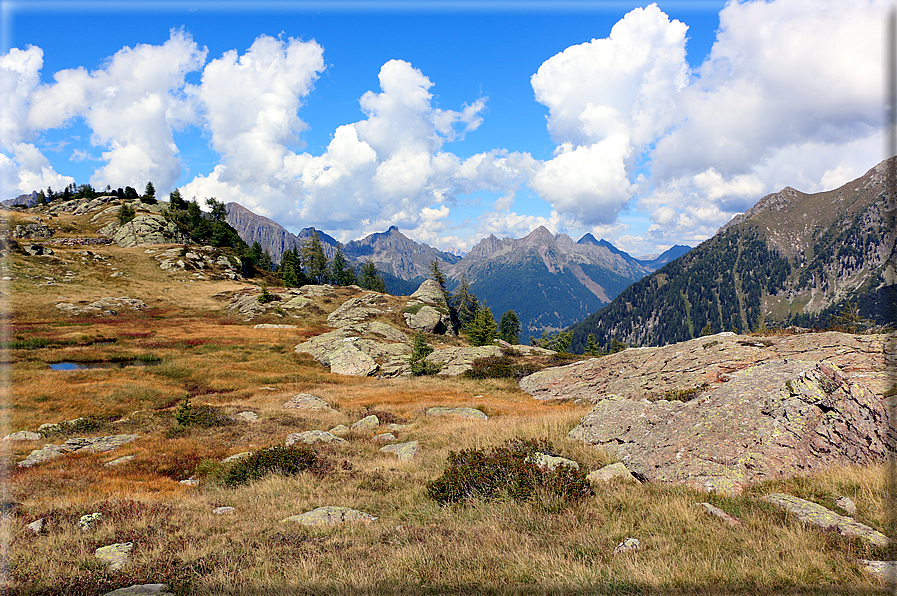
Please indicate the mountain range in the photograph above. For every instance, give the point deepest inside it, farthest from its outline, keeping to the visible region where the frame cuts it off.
(549, 280)
(793, 258)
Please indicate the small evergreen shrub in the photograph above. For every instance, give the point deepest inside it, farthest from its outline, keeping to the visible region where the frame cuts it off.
(288, 461)
(265, 297)
(499, 367)
(508, 471)
(420, 349)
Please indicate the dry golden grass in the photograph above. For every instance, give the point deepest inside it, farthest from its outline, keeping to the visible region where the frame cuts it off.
(415, 546)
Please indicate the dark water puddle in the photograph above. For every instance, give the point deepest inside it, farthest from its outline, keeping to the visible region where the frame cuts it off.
(87, 365)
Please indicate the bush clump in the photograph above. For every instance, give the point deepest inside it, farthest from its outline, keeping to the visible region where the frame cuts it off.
(79, 426)
(508, 471)
(499, 367)
(288, 461)
(204, 416)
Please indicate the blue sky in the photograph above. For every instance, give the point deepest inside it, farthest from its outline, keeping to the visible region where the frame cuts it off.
(646, 124)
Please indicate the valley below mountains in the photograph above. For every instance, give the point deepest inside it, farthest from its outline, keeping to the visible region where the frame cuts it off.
(549, 280)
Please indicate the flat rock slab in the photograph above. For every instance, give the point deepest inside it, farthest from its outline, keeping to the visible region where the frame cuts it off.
(330, 516)
(887, 570)
(771, 420)
(367, 423)
(236, 457)
(92, 445)
(115, 556)
(273, 326)
(719, 514)
(313, 436)
(817, 515)
(463, 412)
(119, 461)
(609, 472)
(23, 435)
(404, 451)
(457, 361)
(142, 590)
(307, 401)
(547, 461)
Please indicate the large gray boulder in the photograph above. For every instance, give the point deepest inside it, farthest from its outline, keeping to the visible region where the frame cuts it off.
(770, 420)
(427, 310)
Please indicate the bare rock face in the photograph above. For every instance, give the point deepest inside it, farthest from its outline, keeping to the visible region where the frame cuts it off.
(770, 420)
(651, 373)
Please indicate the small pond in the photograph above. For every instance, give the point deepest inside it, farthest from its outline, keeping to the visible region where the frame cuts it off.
(86, 365)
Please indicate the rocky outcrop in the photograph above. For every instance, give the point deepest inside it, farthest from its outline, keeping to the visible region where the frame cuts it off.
(770, 420)
(652, 373)
(145, 229)
(103, 307)
(32, 231)
(427, 310)
(92, 445)
(203, 260)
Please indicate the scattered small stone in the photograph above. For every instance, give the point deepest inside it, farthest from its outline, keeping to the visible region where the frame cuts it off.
(551, 462)
(117, 462)
(307, 401)
(404, 451)
(223, 510)
(236, 457)
(273, 326)
(340, 430)
(142, 590)
(88, 521)
(23, 435)
(366, 423)
(463, 412)
(719, 513)
(115, 556)
(628, 545)
(37, 526)
(817, 515)
(267, 388)
(330, 516)
(395, 426)
(608, 473)
(190, 482)
(248, 416)
(384, 438)
(847, 504)
(313, 436)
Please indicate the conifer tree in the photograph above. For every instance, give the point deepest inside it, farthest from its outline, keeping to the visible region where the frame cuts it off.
(465, 303)
(290, 269)
(370, 279)
(509, 328)
(313, 257)
(339, 271)
(481, 331)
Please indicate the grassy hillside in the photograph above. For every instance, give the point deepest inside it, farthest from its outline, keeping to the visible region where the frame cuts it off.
(209, 365)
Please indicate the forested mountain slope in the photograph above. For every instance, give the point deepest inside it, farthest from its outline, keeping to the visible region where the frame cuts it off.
(792, 258)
